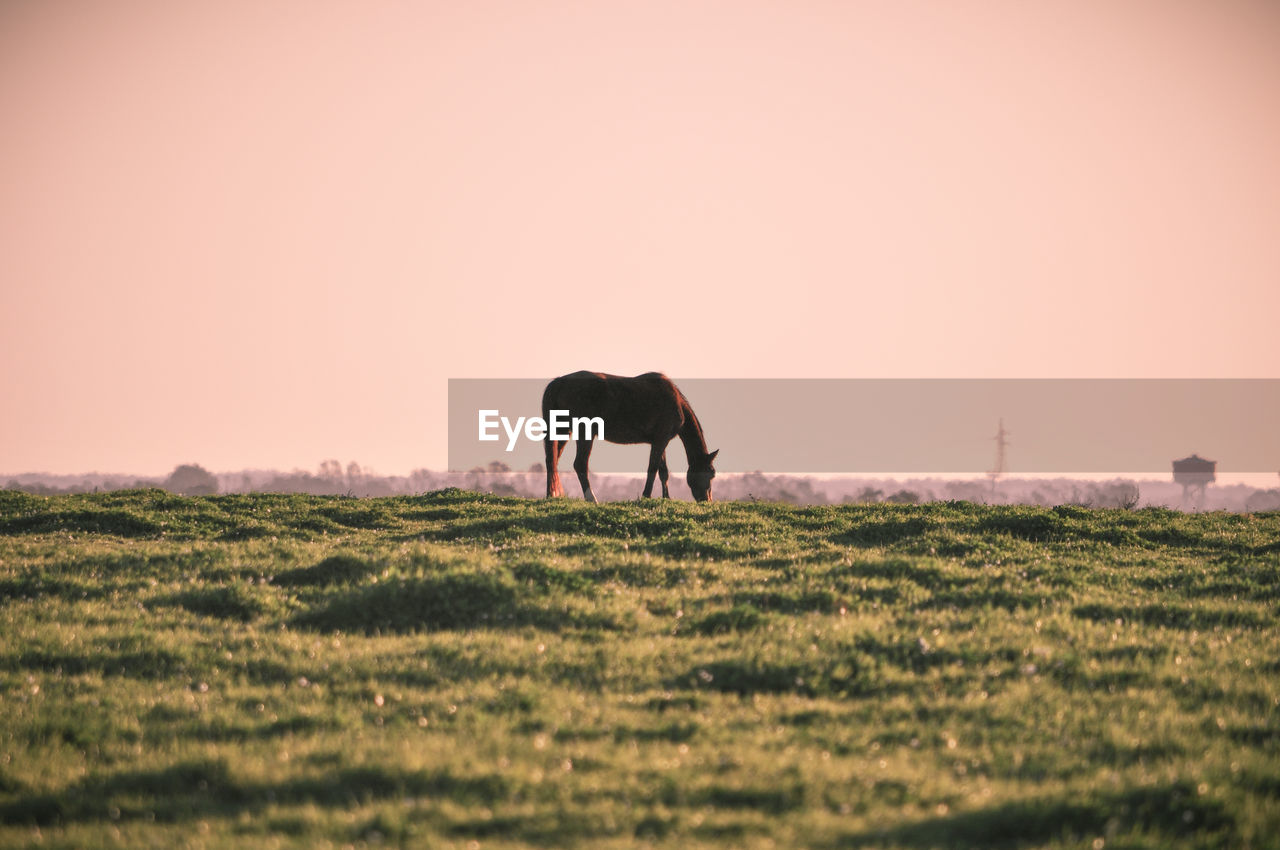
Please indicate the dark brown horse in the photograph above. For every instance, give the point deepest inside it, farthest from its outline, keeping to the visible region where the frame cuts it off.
(648, 408)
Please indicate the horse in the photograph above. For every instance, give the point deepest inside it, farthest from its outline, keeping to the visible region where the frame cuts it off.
(648, 408)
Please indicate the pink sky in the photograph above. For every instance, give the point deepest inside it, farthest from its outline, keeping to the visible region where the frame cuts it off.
(253, 234)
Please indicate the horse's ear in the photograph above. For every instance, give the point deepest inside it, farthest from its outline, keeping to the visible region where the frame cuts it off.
(712, 456)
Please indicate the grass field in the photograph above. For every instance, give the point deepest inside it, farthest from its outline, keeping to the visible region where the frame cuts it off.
(455, 670)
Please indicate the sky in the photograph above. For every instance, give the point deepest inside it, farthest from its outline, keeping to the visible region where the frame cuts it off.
(260, 235)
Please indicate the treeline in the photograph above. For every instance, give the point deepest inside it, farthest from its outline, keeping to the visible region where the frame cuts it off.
(351, 479)
(835, 490)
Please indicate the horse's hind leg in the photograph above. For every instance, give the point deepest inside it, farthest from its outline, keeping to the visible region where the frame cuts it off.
(580, 466)
(553, 451)
(655, 454)
(662, 474)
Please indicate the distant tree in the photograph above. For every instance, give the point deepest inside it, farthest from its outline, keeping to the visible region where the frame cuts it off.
(967, 491)
(903, 497)
(494, 467)
(1263, 500)
(191, 479)
(1116, 494)
(423, 480)
(866, 495)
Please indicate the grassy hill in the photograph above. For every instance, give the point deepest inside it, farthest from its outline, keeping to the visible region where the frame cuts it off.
(461, 670)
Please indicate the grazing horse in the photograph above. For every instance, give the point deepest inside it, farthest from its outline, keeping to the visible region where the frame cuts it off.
(648, 408)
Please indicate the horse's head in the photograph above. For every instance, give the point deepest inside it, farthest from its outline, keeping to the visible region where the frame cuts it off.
(700, 474)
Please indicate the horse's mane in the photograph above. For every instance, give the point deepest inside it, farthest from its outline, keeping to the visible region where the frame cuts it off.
(695, 443)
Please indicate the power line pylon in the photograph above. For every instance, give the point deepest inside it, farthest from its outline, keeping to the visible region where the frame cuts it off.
(1002, 443)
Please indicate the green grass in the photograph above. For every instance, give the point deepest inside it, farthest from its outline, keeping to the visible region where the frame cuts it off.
(455, 669)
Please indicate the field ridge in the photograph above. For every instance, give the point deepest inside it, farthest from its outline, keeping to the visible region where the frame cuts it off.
(457, 668)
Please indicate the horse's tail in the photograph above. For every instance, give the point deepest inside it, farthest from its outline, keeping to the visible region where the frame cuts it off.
(554, 487)
(551, 447)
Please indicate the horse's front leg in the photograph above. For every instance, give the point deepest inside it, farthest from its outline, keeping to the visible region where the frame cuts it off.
(580, 466)
(655, 454)
(662, 474)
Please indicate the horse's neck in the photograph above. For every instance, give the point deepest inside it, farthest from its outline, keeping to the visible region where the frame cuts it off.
(695, 444)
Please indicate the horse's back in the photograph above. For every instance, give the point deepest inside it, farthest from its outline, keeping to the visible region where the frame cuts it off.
(585, 381)
(584, 375)
(635, 409)
(573, 385)
(573, 390)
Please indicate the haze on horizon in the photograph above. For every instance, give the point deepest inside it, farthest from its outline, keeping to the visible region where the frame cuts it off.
(261, 235)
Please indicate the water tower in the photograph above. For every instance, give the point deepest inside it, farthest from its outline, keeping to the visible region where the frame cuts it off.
(1194, 474)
